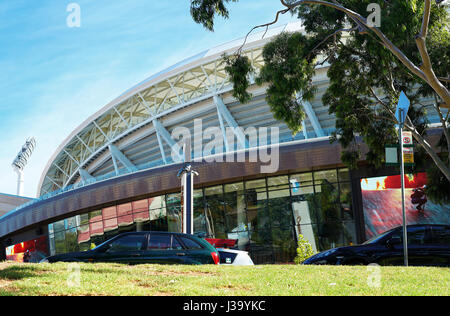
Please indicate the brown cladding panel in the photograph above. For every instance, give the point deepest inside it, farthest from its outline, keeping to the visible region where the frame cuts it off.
(297, 156)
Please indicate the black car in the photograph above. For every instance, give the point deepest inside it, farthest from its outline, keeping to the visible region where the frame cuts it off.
(428, 245)
(146, 247)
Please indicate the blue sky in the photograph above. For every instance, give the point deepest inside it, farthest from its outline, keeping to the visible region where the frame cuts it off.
(53, 77)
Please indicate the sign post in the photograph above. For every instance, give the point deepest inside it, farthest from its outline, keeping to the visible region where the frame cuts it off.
(401, 113)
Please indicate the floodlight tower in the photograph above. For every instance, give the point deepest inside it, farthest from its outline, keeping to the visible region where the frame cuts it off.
(21, 161)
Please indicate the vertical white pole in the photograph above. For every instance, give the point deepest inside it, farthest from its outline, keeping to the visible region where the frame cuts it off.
(20, 182)
(402, 168)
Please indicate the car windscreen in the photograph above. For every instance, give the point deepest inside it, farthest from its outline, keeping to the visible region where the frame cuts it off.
(377, 238)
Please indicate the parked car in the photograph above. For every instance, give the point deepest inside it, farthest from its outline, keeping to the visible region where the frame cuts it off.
(428, 245)
(147, 247)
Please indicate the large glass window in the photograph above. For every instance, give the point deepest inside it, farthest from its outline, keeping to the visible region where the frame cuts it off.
(264, 215)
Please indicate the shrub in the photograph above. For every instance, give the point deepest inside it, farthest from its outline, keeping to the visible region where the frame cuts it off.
(304, 250)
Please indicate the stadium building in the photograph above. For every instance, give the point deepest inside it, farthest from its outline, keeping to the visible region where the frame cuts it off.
(117, 172)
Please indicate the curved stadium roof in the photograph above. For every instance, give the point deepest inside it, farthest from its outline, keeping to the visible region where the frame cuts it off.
(132, 132)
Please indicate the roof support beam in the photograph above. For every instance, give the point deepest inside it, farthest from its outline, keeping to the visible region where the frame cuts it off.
(223, 111)
(145, 103)
(312, 116)
(87, 147)
(305, 132)
(164, 133)
(70, 156)
(101, 131)
(161, 130)
(224, 133)
(60, 169)
(121, 117)
(86, 176)
(54, 182)
(116, 154)
(161, 148)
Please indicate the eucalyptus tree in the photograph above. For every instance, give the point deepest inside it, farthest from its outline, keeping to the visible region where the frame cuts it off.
(370, 62)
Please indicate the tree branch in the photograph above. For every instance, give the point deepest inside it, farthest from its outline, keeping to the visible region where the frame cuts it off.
(328, 37)
(266, 25)
(444, 79)
(387, 108)
(426, 66)
(443, 122)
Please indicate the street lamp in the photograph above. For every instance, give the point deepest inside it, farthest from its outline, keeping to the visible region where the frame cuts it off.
(186, 174)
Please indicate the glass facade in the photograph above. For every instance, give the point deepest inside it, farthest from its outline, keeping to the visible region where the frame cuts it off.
(265, 215)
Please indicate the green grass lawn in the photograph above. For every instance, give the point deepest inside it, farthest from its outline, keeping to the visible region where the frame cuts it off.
(273, 280)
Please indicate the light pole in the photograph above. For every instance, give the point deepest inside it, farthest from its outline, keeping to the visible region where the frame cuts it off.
(186, 174)
(21, 161)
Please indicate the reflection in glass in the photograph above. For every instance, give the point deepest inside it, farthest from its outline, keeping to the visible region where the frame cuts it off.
(71, 240)
(326, 175)
(215, 211)
(330, 228)
(344, 175)
(305, 214)
(276, 183)
(200, 217)
(235, 215)
(174, 213)
(346, 201)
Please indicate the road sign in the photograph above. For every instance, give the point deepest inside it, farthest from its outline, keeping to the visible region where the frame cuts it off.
(407, 139)
(392, 155)
(402, 108)
(408, 155)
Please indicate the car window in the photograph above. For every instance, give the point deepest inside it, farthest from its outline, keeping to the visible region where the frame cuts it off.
(189, 243)
(127, 243)
(418, 236)
(176, 244)
(440, 236)
(158, 242)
